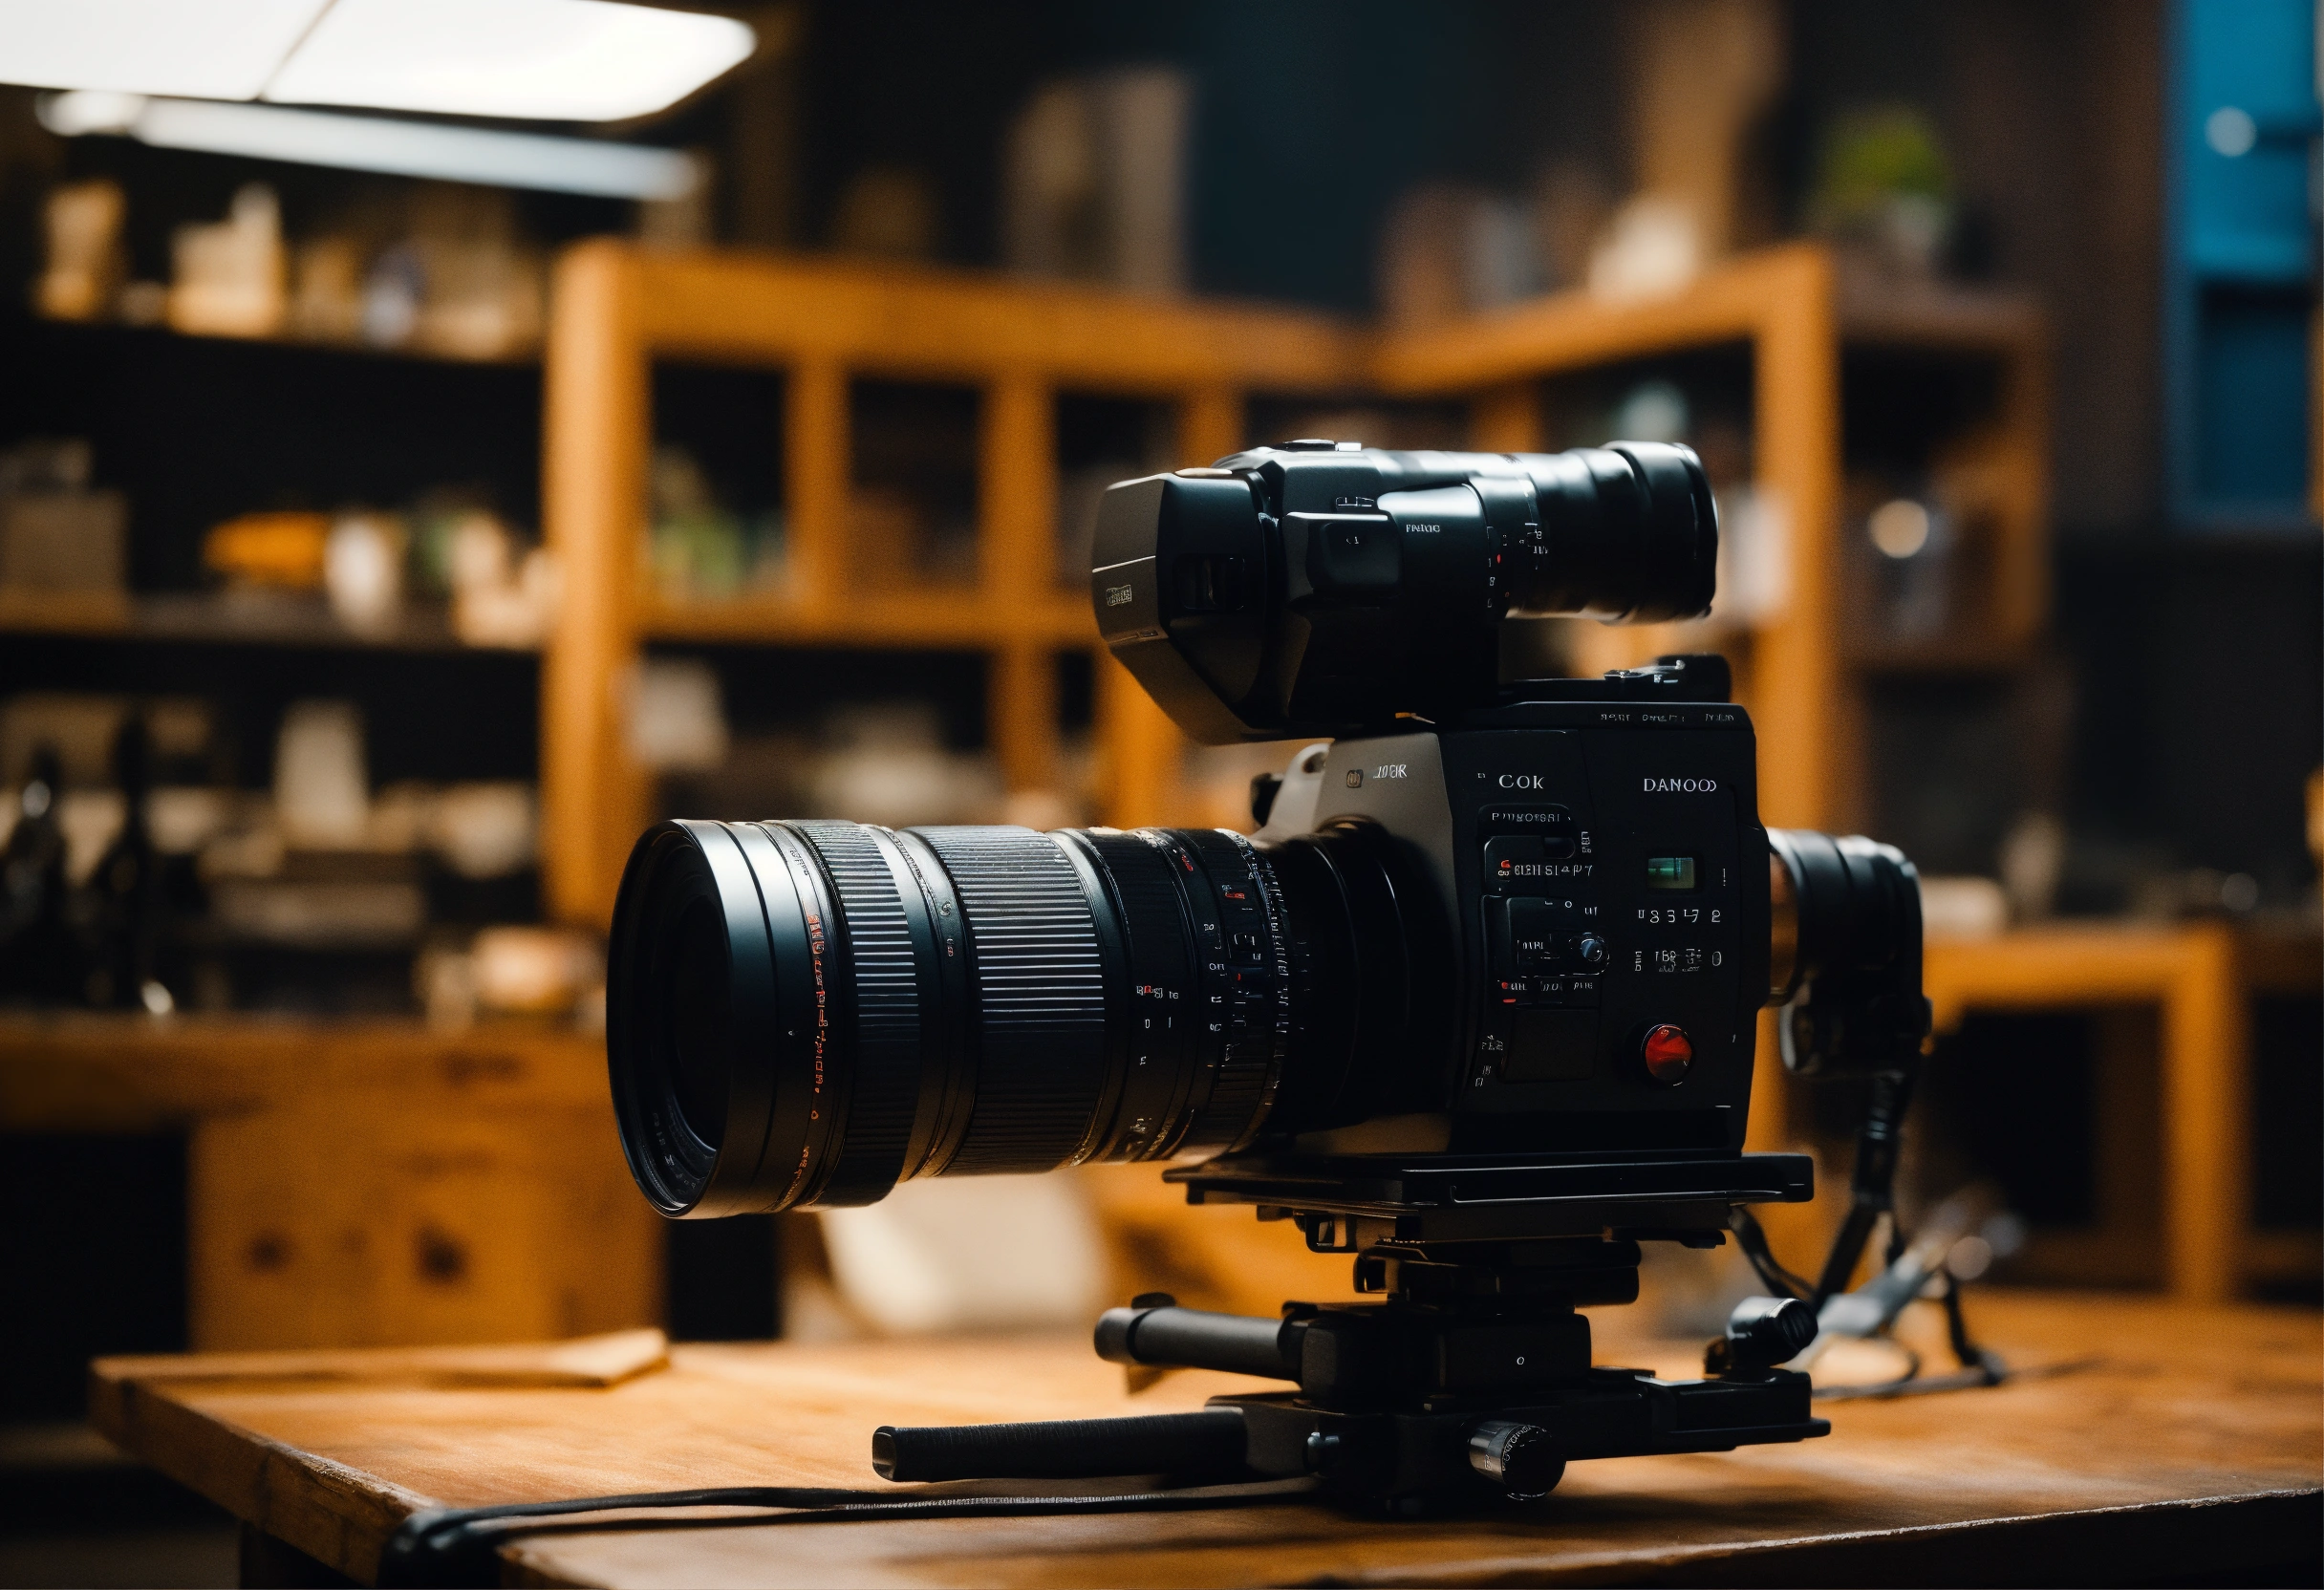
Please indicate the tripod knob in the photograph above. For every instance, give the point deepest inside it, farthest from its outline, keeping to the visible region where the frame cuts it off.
(1523, 1460)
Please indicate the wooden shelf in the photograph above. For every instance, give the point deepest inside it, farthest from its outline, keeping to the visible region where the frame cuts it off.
(924, 619)
(223, 621)
(359, 350)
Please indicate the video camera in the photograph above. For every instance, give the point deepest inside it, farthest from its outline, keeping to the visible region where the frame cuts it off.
(1476, 1006)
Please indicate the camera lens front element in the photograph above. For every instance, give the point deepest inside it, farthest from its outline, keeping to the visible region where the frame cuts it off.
(804, 1013)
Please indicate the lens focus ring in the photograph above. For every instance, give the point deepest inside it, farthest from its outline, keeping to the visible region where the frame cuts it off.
(887, 1010)
(1039, 993)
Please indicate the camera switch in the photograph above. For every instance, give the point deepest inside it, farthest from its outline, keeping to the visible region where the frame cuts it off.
(1668, 1054)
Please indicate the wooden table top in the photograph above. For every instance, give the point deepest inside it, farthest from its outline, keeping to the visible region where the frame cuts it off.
(2166, 1439)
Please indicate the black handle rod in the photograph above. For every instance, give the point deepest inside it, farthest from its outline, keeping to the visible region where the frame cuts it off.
(1205, 1443)
(1170, 1337)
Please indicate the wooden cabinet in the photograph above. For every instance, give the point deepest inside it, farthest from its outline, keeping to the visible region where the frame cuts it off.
(365, 1183)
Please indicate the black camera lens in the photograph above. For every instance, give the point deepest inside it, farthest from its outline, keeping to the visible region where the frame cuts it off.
(806, 1013)
(1626, 531)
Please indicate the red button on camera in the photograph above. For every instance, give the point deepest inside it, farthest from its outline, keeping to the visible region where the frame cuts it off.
(1668, 1053)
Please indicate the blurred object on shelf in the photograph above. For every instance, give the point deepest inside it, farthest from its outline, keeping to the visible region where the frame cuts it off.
(127, 881)
(2033, 866)
(484, 829)
(979, 1252)
(322, 796)
(393, 289)
(1571, 207)
(363, 557)
(89, 819)
(327, 290)
(1755, 585)
(1653, 411)
(1962, 908)
(184, 818)
(886, 764)
(888, 212)
(1448, 250)
(1883, 191)
(40, 954)
(1093, 181)
(528, 971)
(484, 289)
(677, 717)
(229, 275)
(2173, 894)
(498, 597)
(502, 593)
(282, 550)
(1704, 73)
(1652, 249)
(57, 534)
(701, 549)
(914, 480)
(324, 901)
(82, 224)
(76, 727)
(1915, 575)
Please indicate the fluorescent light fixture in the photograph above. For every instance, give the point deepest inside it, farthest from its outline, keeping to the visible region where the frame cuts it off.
(374, 143)
(202, 48)
(561, 60)
(566, 60)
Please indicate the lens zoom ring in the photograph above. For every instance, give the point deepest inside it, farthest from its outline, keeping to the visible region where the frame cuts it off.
(1041, 997)
(887, 1056)
(1248, 1070)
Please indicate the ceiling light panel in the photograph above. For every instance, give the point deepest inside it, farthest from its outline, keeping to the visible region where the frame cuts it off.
(202, 48)
(568, 60)
(593, 166)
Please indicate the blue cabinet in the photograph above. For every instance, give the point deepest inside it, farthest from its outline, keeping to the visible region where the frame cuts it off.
(2241, 269)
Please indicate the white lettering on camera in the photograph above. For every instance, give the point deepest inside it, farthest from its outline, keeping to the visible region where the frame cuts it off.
(1520, 781)
(1681, 786)
(1389, 771)
(1117, 596)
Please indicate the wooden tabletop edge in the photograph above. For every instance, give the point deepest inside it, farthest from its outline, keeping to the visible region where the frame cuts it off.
(337, 1515)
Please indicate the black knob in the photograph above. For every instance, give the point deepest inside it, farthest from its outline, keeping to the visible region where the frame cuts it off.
(1524, 1460)
(1592, 950)
(1763, 1332)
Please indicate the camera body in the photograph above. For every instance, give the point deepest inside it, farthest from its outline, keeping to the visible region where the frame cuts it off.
(1597, 876)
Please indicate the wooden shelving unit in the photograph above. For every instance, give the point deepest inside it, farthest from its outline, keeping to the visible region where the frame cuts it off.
(618, 309)
(1802, 672)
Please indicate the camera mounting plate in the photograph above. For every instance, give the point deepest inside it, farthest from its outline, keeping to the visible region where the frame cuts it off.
(1368, 1198)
